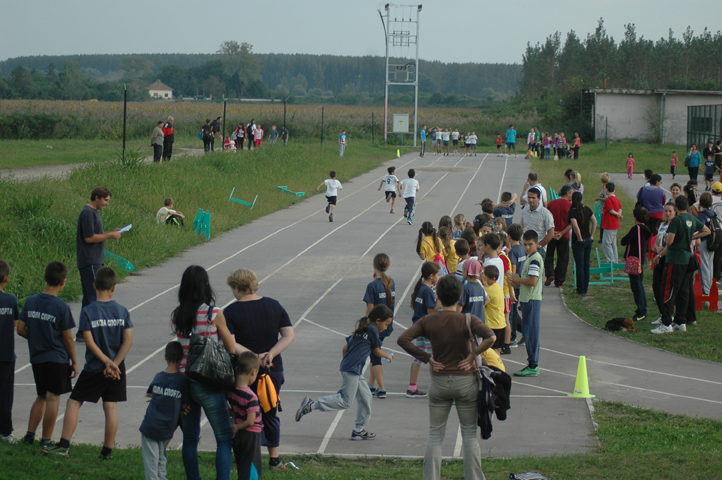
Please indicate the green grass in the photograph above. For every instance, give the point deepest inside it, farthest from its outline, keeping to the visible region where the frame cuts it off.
(634, 443)
(606, 302)
(38, 218)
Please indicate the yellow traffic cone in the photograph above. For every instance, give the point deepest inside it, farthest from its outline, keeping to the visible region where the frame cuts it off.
(581, 386)
(398, 153)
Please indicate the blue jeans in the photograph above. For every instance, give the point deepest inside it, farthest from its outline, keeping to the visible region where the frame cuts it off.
(582, 251)
(640, 297)
(215, 406)
(531, 314)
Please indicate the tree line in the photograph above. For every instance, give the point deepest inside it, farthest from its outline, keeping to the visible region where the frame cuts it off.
(235, 71)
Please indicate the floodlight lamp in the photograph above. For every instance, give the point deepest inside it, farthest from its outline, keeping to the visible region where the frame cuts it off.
(420, 7)
(387, 7)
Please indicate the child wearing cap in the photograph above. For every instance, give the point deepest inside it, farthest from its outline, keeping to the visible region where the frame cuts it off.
(473, 298)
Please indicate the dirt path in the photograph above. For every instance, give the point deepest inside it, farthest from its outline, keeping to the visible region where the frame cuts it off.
(62, 171)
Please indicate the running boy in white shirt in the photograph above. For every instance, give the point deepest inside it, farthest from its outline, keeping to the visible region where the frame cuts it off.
(409, 187)
(332, 188)
(392, 186)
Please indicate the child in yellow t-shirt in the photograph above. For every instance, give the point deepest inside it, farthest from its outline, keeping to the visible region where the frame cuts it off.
(494, 309)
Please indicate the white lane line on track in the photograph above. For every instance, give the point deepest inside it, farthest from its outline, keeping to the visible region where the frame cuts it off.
(589, 359)
(344, 335)
(313, 305)
(329, 433)
(501, 184)
(22, 368)
(160, 349)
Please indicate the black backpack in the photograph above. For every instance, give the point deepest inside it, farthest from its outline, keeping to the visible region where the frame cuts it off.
(714, 240)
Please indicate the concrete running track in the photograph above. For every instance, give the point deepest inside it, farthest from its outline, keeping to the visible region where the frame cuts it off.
(319, 270)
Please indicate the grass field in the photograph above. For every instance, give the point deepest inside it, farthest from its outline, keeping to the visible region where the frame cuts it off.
(39, 218)
(605, 302)
(634, 443)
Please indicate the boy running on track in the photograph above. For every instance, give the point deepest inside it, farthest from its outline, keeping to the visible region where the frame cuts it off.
(392, 186)
(332, 188)
(409, 187)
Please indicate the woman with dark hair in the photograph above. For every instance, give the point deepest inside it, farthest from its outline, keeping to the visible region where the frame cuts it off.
(636, 241)
(453, 380)
(198, 315)
(580, 218)
(690, 192)
(706, 268)
(658, 262)
(695, 160)
(261, 325)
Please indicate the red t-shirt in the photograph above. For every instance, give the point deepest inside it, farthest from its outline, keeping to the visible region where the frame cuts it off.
(560, 211)
(499, 141)
(609, 221)
(673, 160)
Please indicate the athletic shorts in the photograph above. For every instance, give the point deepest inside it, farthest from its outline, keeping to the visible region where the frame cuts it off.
(376, 360)
(499, 332)
(258, 143)
(510, 144)
(467, 144)
(446, 143)
(709, 177)
(507, 304)
(456, 142)
(473, 146)
(424, 344)
(92, 386)
(52, 377)
(331, 200)
(390, 193)
(438, 143)
(499, 145)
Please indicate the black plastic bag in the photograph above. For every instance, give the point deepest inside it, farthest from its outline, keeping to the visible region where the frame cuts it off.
(210, 364)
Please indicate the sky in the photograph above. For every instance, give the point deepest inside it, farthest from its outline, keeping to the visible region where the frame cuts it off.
(449, 31)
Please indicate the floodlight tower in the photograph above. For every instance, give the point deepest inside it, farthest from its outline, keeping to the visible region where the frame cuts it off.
(400, 69)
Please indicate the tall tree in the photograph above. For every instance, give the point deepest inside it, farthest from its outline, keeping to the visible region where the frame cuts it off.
(239, 58)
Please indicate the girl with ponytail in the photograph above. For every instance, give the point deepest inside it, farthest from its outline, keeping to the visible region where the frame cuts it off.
(428, 244)
(381, 291)
(423, 302)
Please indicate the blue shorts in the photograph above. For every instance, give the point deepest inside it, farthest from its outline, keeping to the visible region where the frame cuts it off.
(510, 144)
(446, 143)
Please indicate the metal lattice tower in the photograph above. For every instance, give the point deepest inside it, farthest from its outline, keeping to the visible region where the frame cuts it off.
(401, 29)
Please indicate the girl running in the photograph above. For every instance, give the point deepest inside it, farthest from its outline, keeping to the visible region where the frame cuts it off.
(364, 341)
(382, 291)
(423, 301)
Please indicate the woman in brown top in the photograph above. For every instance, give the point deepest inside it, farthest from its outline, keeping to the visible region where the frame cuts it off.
(453, 379)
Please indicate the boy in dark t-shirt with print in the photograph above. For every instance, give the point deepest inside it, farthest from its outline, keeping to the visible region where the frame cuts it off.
(108, 335)
(473, 297)
(246, 413)
(9, 315)
(47, 322)
(168, 393)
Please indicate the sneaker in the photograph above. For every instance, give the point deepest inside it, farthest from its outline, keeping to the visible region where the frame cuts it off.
(328, 207)
(392, 211)
(9, 438)
(279, 467)
(406, 212)
(416, 393)
(373, 389)
(380, 393)
(639, 318)
(304, 409)
(28, 440)
(528, 372)
(45, 443)
(657, 322)
(56, 450)
(549, 281)
(694, 322)
(410, 222)
(79, 339)
(362, 435)
(679, 328)
(521, 341)
(505, 350)
(105, 457)
(330, 217)
(662, 329)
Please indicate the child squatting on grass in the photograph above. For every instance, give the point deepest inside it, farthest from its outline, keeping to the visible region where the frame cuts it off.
(359, 345)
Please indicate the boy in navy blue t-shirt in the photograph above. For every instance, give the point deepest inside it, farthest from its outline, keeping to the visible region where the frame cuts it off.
(8, 319)
(709, 169)
(473, 297)
(517, 257)
(168, 393)
(47, 322)
(107, 330)
(358, 347)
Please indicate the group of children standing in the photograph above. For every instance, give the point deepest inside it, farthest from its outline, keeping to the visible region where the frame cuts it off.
(440, 139)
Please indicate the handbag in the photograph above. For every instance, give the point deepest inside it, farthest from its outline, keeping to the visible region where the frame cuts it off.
(209, 362)
(686, 162)
(633, 265)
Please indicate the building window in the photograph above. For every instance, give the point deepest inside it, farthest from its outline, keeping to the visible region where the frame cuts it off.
(166, 95)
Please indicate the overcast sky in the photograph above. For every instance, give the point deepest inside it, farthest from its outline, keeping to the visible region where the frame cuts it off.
(450, 31)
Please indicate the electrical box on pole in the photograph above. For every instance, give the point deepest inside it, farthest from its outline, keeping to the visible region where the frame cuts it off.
(401, 32)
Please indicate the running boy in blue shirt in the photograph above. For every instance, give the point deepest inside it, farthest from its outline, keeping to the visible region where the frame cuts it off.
(9, 315)
(47, 322)
(168, 393)
(107, 331)
(363, 341)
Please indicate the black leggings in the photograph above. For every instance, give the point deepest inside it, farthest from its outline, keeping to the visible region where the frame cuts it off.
(693, 171)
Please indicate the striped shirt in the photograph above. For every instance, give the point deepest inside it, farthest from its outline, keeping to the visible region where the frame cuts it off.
(243, 401)
(203, 328)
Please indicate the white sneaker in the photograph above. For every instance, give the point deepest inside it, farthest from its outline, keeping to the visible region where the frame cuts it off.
(658, 321)
(662, 329)
(10, 438)
(679, 328)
